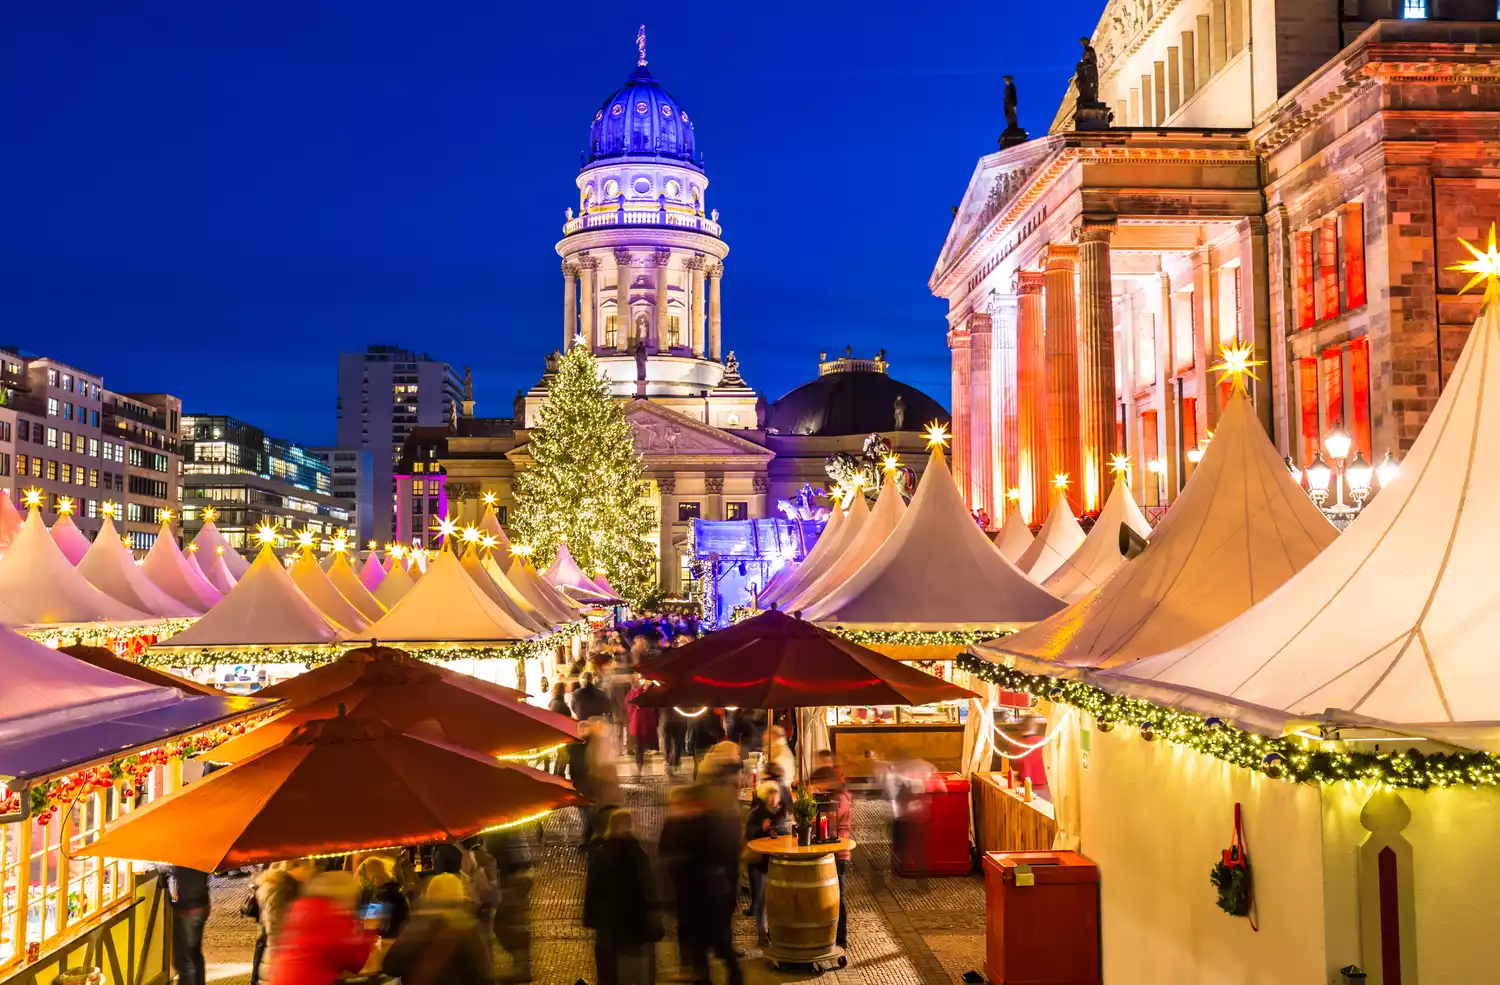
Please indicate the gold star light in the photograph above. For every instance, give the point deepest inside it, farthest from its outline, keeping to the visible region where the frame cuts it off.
(267, 535)
(1235, 364)
(32, 498)
(1120, 464)
(937, 434)
(471, 535)
(192, 548)
(1484, 267)
(64, 505)
(209, 514)
(306, 539)
(1013, 494)
(490, 498)
(110, 510)
(890, 463)
(372, 545)
(166, 516)
(445, 527)
(1061, 480)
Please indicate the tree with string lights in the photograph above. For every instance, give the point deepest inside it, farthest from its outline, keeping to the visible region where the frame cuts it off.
(585, 481)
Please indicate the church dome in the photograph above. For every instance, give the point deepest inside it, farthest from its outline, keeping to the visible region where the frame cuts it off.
(642, 120)
(852, 397)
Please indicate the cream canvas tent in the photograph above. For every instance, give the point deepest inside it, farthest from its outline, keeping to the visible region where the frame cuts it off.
(1240, 528)
(351, 588)
(39, 586)
(110, 567)
(474, 567)
(565, 575)
(1397, 620)
(542, 596)
(265, 608)
(827, 538)
(308, 575)
(1093, 563)
(1015, 537)
(830, 545)
(446, 606)
(166, 566)
(69, 539)
(936, 571)
(534, 616)
(393, 586)
(372, 572)
(490, 524)
(218, 573)
(10, 521)
(208, 542)
(1059, 537)
(889, 508)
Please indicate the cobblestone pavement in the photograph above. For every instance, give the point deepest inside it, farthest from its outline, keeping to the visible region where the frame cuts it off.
(900, 930)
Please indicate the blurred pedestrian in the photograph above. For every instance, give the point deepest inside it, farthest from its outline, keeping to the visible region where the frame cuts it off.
(642, 724)
(702, 858)
(589, 701)
(190, 908)
(831, 789)
(512, 923)
(620, 907)
(320, 941)
(275, 888)
(779, 754)
(769, 817)
(558, 705)
(443, 943)
(674, 732)
(382, 903)
(707, 732)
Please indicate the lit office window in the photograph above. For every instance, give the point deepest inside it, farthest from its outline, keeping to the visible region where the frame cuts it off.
(1414, 10)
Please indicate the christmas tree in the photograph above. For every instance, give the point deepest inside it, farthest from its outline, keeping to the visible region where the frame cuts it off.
(585, 483)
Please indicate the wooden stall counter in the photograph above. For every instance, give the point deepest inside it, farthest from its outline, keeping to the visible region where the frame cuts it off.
(857, 747)
(1005, 822)
(802, 901)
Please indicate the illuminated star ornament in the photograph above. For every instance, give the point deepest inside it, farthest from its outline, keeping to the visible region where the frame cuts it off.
(64, 505)
(306, 539)
(1484, 267)
(446, 527)
(110, 510)
(490, 498)
(1013, 494)
(890, 463)
(267, 535)
(1120, 464)
(1061, 480)
(1235, 363)
(166, 516)
(937, 434)
(210, 514)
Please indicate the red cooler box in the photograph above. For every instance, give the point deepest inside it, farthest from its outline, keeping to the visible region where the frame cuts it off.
(936, 844)
(1042, 919)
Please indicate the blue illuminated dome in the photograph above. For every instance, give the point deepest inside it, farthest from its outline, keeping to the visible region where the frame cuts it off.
(642, 120)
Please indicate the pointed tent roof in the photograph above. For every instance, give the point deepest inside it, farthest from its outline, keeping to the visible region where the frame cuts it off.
(393, 587)
(937, 570)
(110, 567)
(476, 569)
(326, 562)
(543, 597)
(602, 583)
(502, 580)
(166, 566)
(10, 521)
(1059, 537)
(1092, 564)
(309, 576)
(446, 606)
(565, 574)
(372, 573)
(38, 586)
(351, 588)
(1397, 619)
(209, 540)
(778, 582)
(68, 537)
(218, 573)
(1015, 537)
(889, 508)
(820, 558)
(1240, 528)
(490, 524)
(265, 608)
(392, 563)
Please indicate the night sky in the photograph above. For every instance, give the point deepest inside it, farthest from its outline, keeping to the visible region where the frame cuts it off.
(215, 199)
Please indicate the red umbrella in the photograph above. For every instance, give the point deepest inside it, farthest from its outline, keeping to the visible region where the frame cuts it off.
(662, 666)
(352, 667)
(777, 661)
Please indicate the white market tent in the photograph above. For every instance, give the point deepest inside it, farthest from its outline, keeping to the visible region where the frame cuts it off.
(10, 521)
(372, 572)
(1015, 537)
(565, 575)
(110, 567)
(265, 608)
(218, 573)
(474, 567)
(1240, 528)
(831, 544)
(534, 616)
(490, 524)
(883, 519)
(828, 536)
(1397, 620)
(208, 542)
(936, 571)
(69, 538)
(1059, 537)
(166, 565)
(543, 597)
(39, 586)
(352, 589)
(446, 606)
(393, 586)
(1093, 563)
(308, 575)
(602, 583)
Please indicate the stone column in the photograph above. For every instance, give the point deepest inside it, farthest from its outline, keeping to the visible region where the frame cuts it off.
(962, 390)
(570, 304)
(1031, 396)
(713, 505)
(715, 323)
(695, 265)
(1063, 448)
(981, 414)
(624, 274)
(588, 302)
(1255, 311)
(1007, 469)
(1166, 359)
(659, 261)
(1096, 359)
(666, 486)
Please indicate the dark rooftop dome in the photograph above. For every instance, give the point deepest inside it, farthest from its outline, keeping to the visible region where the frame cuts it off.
(853, 397)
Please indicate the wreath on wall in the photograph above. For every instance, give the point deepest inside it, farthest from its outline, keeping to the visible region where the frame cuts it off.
(1231, 876)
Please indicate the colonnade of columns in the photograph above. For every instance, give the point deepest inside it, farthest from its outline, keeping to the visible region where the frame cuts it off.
(623, 329)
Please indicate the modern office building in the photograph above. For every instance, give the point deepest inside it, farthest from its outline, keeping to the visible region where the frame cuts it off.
(354, 484)
(146, 425)
(253, 479)
(385, 392)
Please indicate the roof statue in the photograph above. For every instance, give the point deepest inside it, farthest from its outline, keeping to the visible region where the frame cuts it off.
(473, 565)
(166, 566)
(39, 586)
(1015, 536)
(1059, 537)
(937, 570)
(110, 567)
(446, 606)
(394, 586)
(1013, 134)
(265, 608)
(1099, 557)
(218, 573)
(345, 579)
(827, 549)
(1239, 529)
(1396, 620)
(65, 532)
(884, 518)
(1089, 113)
(10, 521)
(372, 572)
(209, 540)
(308, 575)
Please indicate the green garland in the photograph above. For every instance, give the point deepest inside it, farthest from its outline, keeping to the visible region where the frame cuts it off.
(319, 654)
(1284, 757)
(918, 637)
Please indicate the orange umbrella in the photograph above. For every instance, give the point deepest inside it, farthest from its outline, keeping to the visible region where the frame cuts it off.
(336, 786)
(421, 699)
(354, 665)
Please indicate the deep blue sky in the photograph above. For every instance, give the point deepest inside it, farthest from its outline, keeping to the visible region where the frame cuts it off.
(214, 199)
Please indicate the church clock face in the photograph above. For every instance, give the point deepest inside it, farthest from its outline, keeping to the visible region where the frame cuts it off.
(673, 188)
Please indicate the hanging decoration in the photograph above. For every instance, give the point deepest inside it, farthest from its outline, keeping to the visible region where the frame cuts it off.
(315, 655)
(1231, 876)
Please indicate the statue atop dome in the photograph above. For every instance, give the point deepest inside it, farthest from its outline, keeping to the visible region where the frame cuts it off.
(640, 44)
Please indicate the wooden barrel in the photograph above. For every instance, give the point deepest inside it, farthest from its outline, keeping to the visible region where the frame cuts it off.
(802, 906)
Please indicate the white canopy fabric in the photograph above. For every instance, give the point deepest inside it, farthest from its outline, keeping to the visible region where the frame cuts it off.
(10, 521)
(393, 587)
(542, 596)
(1015, 537)
(446, 606)
(43, 685)
(490, 524)
(209, 540)
(884, 518)
(937, 570)
(38, 586)
(1092, 564)
(534, 616)
(308, 574)
(831, 544)
(110, 567)
(326, 562)
(827, 538)
(218, 573)
(70, 539)
(1398, 619)
(474, 567)
(372, 572)
(1059, 537)
(1240, 528)
(392, 563)
(265, 608)
(351, 588)
(169, 569)
(565, 574)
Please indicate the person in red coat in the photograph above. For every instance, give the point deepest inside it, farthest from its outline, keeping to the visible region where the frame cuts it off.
(640, 724)
(320, 940)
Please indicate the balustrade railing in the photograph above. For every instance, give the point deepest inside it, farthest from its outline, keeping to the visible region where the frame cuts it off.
(641, 217)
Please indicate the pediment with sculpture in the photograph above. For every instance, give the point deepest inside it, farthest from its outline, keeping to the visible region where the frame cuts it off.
(662, 433)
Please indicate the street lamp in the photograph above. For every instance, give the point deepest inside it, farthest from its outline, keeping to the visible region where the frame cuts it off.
(1318, 477)
(1387, 470)
(1158, 468)
(1291, 466)
(1359, 474)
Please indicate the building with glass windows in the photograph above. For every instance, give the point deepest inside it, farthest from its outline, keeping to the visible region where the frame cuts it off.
(146, 426)
(354, 483)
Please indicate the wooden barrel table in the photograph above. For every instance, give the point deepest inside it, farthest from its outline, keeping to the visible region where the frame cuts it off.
(802, 901)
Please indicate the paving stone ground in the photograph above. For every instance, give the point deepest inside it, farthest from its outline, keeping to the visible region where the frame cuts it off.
(900, 930)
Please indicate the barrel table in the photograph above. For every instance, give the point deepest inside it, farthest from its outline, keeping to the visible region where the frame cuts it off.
(802, 901)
